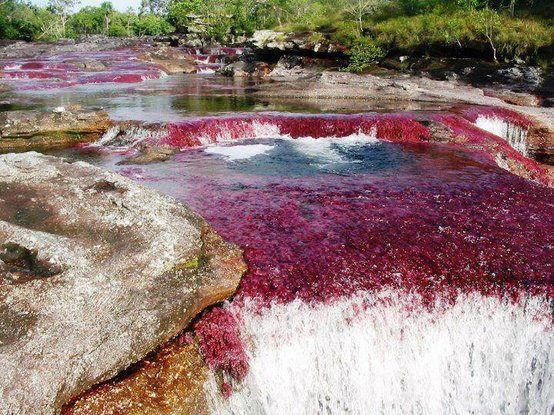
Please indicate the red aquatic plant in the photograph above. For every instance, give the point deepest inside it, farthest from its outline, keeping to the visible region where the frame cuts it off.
(202, 130)
(220, 342)
(494, 147)
(473, 112)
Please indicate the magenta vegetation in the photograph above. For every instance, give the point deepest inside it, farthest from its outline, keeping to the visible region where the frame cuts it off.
(447, 221)
(69, 69)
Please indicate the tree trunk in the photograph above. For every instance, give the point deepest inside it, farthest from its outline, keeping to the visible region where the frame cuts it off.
(492, 47)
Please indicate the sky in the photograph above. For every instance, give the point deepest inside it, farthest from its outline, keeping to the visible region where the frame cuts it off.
(120, 5)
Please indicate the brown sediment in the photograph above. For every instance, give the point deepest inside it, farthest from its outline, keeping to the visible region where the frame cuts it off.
(168, 381)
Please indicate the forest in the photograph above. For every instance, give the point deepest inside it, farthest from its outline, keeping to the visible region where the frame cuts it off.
(503, 29)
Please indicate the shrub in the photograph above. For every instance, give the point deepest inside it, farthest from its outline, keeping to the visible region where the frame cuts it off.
(363, 55)
(484, 30)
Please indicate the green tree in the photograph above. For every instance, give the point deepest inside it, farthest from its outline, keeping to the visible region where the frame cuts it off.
(62, 8)
(488, 24)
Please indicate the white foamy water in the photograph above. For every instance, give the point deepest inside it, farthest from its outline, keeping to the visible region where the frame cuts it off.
(239, 152)
(128, 137)
(481, 356)
(515, 135)
(252, 130)
(327, 149)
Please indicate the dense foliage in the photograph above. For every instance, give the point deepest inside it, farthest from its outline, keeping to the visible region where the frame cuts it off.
(21, 20)
(493, 28)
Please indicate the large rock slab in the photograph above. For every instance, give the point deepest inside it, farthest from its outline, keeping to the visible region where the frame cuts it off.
(95, 272)
(59, 127)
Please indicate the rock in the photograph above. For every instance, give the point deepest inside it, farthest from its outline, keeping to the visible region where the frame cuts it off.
(515, 98)
(309, 41)
(24, 129)
(151, 155)
(170, 381)
(526, 75)
(270, 39)
(237, 69)
(95, 272)
(290, 68)
(451, 76)
(89, 65)
(170, 60)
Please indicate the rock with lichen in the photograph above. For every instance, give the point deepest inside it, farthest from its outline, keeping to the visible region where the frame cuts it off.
(95, 272)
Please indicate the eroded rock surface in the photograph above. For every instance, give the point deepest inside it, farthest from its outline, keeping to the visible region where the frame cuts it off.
(170, 381)
(95, 272)
(24, 129)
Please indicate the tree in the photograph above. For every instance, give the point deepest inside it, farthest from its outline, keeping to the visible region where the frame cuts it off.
(488, 24)
(107, 11)
(63, 9)
(157, 7)
(360, 9)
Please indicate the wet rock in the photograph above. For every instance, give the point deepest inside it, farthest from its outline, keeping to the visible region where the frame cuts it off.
(515, 98)
(170, 60)
(131, 269)
(168, 381)
(151, 155)
(60, 127)
(89, 43)
(89, 65)
(238, 69)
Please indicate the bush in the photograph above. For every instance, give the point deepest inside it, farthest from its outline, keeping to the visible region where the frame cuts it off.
(151, 25)
(363, 55)
(477, 30)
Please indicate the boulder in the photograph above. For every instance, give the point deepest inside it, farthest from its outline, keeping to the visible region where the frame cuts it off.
(170, 60)
(528, 76)
(58, 127)
(306, 42)
(89, 65)
(95, 272)
(151, 155)
(239, 69)
(291, 68)
(169, 381)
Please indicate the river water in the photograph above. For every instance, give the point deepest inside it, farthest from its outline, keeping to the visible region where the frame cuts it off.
(385, 275)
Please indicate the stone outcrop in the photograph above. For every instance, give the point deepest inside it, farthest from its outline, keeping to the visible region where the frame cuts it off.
(60, 127)
(310, 42)
(170, 60)
(95, 272)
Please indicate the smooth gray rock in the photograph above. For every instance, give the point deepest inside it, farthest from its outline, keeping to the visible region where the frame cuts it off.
(95, 272)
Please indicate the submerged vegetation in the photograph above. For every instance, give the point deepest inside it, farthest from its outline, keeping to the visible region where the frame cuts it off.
(497, 29)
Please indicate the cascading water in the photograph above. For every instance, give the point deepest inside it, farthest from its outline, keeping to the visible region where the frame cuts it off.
(394, 276)
(209, 60)
(381, 355)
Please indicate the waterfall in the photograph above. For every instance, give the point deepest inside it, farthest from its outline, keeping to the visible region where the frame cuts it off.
(378, 355)
(514, 134)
